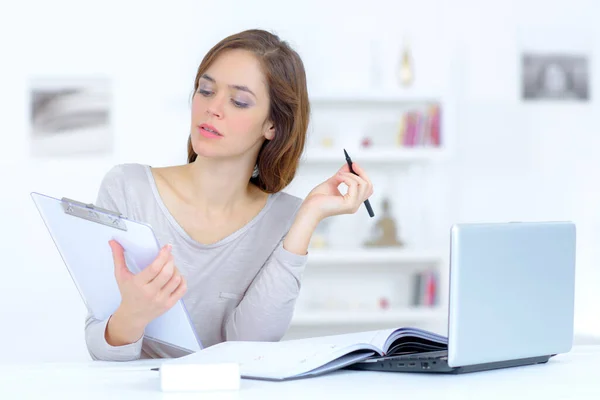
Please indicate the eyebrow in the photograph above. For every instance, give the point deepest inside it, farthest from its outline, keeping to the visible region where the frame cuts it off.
(238, 87)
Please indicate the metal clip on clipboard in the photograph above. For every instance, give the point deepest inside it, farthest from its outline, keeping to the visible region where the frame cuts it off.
(93, 213)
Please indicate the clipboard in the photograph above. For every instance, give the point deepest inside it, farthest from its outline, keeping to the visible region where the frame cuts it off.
(81, 233)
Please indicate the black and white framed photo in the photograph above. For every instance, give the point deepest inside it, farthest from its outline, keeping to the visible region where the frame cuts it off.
(555, 76)
(555, 66)
(70, 116)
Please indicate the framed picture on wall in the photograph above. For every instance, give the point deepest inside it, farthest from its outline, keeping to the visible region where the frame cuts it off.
(555, 76)
(70, 116)
(555, 63)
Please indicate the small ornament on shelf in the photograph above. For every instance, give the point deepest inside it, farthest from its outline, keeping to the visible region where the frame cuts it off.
(366, 142)
(385, 231)
(384, 303)
(406, 72)
(318, 242)
(319, 237)
(327, 142)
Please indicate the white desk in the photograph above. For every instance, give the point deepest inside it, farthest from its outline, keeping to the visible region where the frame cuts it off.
(575, 375)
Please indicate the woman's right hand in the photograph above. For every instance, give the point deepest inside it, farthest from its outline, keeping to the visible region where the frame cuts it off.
(145, 295)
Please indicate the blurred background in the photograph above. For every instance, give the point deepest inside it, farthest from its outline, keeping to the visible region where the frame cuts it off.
(460, 111)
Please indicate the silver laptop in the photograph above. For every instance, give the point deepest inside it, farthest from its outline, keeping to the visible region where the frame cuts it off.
(511, 299)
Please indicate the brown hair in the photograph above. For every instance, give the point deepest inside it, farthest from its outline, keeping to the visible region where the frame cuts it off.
(289, 109)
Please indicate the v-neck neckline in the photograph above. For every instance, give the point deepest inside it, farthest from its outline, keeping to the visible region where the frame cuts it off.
(232, 236)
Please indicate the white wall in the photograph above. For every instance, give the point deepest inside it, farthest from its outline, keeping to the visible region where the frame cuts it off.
(511, 160)
(530, 161)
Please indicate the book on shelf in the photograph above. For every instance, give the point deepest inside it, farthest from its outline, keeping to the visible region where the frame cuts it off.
(420, 128)
(426, 289)
(300, 358)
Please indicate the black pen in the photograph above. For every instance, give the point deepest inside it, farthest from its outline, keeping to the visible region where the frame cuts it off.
(367, 203)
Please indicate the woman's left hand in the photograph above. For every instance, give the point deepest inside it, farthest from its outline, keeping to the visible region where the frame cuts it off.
(326, 200)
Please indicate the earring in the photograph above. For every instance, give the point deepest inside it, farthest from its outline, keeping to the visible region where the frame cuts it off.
(255, 172)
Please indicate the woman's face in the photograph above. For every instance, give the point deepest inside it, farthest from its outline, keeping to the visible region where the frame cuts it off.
(230, 107)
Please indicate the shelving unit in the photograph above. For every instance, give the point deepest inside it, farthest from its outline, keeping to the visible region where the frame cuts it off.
(384, 263)
(400, 126)
(342, 289)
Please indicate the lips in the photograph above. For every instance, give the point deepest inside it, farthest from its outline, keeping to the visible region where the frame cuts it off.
(210, 129)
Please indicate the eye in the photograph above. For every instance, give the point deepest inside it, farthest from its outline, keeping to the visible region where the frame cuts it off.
(204, 92)
(239, 104)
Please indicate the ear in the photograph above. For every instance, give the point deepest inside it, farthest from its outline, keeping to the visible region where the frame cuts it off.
(269, 132)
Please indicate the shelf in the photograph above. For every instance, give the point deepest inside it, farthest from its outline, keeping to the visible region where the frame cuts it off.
(398, 155)
(373, 97)
(403, 317)
(372, 256)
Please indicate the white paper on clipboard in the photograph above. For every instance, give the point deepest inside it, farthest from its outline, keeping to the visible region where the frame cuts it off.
(81, 233)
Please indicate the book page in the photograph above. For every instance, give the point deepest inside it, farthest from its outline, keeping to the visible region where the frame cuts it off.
(413, 339)
(285, 359)
(380, 338)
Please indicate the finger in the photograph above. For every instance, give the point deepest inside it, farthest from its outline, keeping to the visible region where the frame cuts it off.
(363, 188)
(150, 272)
(121, 270)
(345, 168)
(352, 182)
(172, 284)
(361, 172)
(353, 195)
(335, 180)
(177, 293)
(164, 275)
(358, 179)
(355, 199)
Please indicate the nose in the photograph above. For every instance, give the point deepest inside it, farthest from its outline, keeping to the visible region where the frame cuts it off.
(215, 107)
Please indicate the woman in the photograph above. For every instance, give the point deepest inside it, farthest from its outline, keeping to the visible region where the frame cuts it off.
(237, 245)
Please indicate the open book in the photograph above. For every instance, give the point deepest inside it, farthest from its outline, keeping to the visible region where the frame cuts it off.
(314, 356)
